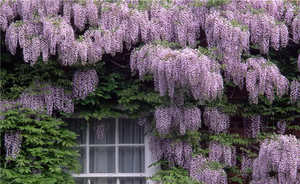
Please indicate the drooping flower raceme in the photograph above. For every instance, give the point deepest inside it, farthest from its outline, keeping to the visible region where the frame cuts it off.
(295, 91)
(84, 83)
(173, 69)
(264, 78)
(200, 171)
(46, 97)
(252, 125)
(222, 153)
(281, 127)
(281, 155)
(176, 152)
(215, 120)
(246, 165)
(12, 143)
(176, 118)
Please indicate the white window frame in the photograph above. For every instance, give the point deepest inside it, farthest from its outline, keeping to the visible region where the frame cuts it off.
(148, 172)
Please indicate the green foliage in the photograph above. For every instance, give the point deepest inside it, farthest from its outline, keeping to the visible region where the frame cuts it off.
(216, 3)
(16, 77)
(47, 153)
(118, 95)
(229, 139)
(173, 175)
(236, 175)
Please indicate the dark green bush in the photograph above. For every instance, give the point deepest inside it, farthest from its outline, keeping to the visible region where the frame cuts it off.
(47, 154)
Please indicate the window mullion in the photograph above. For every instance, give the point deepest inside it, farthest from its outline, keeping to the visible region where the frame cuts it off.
(117, 149)
(88, 148)
(117, 146)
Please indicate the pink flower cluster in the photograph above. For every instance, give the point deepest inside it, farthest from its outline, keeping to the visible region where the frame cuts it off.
(263, 78)
(176, 152)
(179, 68)
(246, 164)
(47, 97)
(222, 153)
(281, 127)
(216, 120)
(125, 23)
(84, 83)
(175, 118)
(295, 91)
(281, 155)
(12, 143)
(200, 171)
(252, 125)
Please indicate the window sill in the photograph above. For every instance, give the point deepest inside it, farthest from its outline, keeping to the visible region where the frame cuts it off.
(109, 175)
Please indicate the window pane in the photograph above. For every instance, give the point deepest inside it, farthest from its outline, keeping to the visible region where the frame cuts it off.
(102, 160)
(102, 132)
(130, 132)
(132, 181)
(81, 180)
(131, 159)
(79, 127)
(103, 181)
(82, 160)
(95, 181)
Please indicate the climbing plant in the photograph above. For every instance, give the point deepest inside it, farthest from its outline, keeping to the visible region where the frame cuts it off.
(216, 79)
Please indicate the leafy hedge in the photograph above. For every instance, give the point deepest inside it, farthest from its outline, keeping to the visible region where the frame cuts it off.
(47, 153)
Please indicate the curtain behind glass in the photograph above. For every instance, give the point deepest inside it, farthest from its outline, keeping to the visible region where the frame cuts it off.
(103, 181)
(130, 132)
(132, 181)
(110, 180)
(102, 160)
(131, 158)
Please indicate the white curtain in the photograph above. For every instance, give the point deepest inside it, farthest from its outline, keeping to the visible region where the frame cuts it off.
(130, 132)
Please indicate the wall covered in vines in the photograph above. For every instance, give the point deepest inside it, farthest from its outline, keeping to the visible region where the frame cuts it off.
(218, 81)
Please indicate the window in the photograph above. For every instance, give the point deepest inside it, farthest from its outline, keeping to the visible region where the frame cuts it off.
(119, 154)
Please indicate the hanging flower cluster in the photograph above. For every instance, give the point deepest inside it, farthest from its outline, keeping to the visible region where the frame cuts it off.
(200, 171)
(281, 127)
(295, 91)
(215, 120)
(296, 29)
(252, 126)
(84, 83)
(246, 164)
(268, 180)
(281, 155)
(125, 22)
(264, 78)
(181, 119)
(230, 42)
(222, 153)
(179, 68)
(81, 32)
(12, 143)
(176, 152)
(46, 97)
(298, 62)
